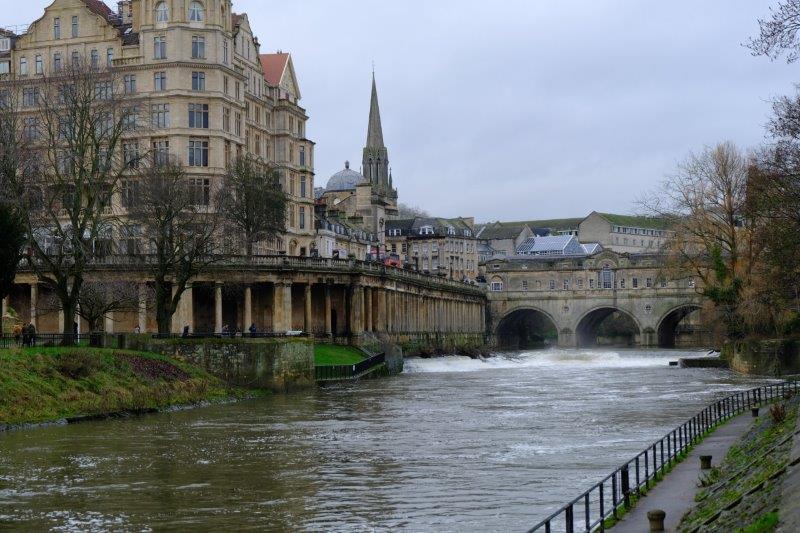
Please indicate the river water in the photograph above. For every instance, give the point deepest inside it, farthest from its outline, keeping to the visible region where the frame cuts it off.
(453, 444)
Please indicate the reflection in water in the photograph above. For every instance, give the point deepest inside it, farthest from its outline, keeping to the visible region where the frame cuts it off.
(453, 444)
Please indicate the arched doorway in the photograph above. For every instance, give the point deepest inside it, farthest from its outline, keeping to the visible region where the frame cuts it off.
(607, 326)
(681, 326)
(525, 329)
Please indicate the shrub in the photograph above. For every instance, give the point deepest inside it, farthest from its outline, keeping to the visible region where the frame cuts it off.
(778, 413)
(78, 365)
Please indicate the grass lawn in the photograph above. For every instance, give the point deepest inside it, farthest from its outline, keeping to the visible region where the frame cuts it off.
(46, 384)
(329, 354)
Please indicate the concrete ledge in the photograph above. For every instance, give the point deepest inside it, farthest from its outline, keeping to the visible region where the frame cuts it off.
(702, 362)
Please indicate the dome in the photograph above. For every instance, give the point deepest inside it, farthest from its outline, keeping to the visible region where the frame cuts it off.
(345, 180)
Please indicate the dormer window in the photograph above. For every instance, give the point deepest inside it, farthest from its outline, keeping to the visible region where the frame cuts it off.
(5, 44)
(394, 232)
(426, 230)
(196, 12)
(451, 231)
(467, 233)
(162, 12)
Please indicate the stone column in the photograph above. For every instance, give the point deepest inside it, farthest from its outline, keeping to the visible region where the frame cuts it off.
(248, 308)
(380, 312)
(218, 307)
(142, 293)
(109, 322)
(307, 314)
(328, 314)
(356, 310)
(282, 307)
(184, 314)
(368, 319)
(34, 305)
(4, 308)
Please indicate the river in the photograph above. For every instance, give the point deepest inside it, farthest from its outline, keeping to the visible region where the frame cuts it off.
(453, 444)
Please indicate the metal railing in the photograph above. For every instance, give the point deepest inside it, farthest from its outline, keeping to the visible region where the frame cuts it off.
(604, 500)
(344, 372)
(238, 335)
(24, 340)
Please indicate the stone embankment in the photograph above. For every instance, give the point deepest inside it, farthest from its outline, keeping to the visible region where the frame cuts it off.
(773, 357)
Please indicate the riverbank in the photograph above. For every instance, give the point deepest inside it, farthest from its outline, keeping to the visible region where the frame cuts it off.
(46, 385)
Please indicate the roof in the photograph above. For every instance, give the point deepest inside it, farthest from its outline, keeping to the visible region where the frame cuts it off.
(345, 180)
(635, 221)
(274, 66)
(501, 230)
(100, 8)
(555, 223)
(374, 130)
(403, 224)
(544, 244)
(413, 226)
(592, 248)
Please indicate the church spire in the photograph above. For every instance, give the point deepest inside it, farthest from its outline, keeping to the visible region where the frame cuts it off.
(375, 130)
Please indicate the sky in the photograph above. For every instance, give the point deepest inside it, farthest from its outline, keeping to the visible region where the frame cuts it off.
(521, 109)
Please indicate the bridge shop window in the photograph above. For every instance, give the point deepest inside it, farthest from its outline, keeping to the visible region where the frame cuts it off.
(635, 283)
(591, 284)
(607, 278)
(622, 283)
(580, 284)
(649, 282)
(552, 284)
(566, 284)
(524, 285)
(497, 285)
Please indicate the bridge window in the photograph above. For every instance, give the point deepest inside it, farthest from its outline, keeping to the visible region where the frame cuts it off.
(663, 283)
(552, 284)
(648, 309)
(525, 285)
(691, 284)
(635, 283)
(591, 283)
(497, 286)
(607, 278)
(649, 282)
(622, 283)
(580, 283)
(566, 284)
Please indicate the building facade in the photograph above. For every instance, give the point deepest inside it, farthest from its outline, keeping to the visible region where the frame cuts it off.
(200, 90)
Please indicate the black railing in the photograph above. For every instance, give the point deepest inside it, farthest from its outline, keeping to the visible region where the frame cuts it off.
(46, 339)
(345, 372)
(238, 335)
(605, 500)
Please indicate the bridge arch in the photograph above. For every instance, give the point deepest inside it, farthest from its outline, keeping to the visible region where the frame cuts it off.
(618, 326)
(667, 329)
(525, 328)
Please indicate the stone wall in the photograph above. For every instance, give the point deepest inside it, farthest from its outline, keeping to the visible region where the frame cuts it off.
(276, 365)
(775, 357)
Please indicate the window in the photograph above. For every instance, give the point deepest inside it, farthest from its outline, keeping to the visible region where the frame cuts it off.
(30, 97)
(198, 47)
(162, 12)
(23, 66)
(591, 283)
(524, 285)
(130, 154)
(302, 187)
(130, 118)
(159, 47)
(57, 62)
(160, 81)
(648, 282)
(76, 58)
(580, 284)
(129, 191)
(302, 218)
(198, 154)
(198, 81)
(622, 283)
(663, 283)
(238, 90)
(74, 26)
(95, 59)
(635, 283)
(426, 230)
(566, 284)
(198, 116)
(226, 119)
(5, 67)
(607, 278)
(39, 64)
(227, 153)
(552, 284)
(110, 57)
(497, 286)
(691, 284)
(129, 83)
(5, 44)
(238, 124)
(302, 155)
(30, 129)
(56, 28)
(394, 232)
(160, 151)
(200, 191)
(225, 84)
(196, 12)
(160, 115)
(225, 52)
(103, 90)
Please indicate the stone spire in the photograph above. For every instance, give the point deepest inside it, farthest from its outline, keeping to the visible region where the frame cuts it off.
(375, 163)
(375, 130)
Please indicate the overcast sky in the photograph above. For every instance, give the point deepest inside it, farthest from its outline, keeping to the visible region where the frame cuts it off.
(521, 109)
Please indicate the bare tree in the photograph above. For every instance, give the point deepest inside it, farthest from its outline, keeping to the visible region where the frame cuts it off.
(778, 32)
(179, 230)
(410, 211)
(252, 201)
(96, 301)
(705, 202)
(72, 124)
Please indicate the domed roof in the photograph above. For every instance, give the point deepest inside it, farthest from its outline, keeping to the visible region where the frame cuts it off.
(345, 180)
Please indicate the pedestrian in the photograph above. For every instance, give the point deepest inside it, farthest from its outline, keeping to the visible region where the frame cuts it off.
(31, 335)
(185, 334)
(253, 331)
(137, 329)
(24, 334)
(225, 330)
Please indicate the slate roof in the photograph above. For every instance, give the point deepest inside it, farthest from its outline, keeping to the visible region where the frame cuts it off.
(635, 221)
(500, 230)
(412, 227)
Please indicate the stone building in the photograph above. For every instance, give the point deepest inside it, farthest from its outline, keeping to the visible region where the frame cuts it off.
(367, 200)
(440, 246)
(203, 93)
(624, 233)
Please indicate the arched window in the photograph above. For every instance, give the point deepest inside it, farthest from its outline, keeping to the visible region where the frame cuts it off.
(196, 12)
(162, 12)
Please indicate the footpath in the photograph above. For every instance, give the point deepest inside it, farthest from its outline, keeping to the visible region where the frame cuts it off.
(675, 493)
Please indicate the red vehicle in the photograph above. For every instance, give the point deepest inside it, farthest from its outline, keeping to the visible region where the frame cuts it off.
(393, 260)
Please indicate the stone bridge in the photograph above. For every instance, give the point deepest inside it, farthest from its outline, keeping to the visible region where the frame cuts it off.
(533, 299)
(334, 298)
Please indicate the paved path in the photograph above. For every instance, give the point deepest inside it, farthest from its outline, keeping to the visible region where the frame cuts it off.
(675, 493)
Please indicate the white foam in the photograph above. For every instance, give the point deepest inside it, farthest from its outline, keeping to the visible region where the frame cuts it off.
(555, 358)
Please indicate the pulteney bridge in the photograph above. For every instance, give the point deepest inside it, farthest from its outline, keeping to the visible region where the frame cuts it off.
(532, 299)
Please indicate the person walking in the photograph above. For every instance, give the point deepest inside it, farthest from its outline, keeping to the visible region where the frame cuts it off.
(253, 330)
(31, 335)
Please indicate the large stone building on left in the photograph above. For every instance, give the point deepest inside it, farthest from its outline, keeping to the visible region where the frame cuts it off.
(186, 60)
